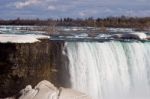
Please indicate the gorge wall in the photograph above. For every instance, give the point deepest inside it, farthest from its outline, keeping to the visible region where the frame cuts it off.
(29, 63)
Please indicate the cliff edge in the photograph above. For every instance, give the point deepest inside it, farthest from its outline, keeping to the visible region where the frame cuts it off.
(29, 63)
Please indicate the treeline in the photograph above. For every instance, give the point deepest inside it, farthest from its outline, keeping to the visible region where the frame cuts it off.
(123, 21)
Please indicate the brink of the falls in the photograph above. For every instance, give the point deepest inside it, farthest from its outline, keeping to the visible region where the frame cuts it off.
(110, 70)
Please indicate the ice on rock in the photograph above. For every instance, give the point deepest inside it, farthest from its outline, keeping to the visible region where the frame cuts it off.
(27, 38)
(46, 90)
(134, 35)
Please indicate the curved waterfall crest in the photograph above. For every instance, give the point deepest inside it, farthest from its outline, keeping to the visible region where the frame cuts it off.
(110, 70)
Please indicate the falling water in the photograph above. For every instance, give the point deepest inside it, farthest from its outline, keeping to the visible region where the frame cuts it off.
(110, 70)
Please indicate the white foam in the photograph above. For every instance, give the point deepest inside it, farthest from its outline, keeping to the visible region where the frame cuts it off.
(120, 29)
(110, 70)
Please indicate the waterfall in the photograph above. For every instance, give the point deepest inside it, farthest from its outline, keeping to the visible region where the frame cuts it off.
(110, 70)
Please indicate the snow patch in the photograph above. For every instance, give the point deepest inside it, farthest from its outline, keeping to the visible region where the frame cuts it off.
(27, 38)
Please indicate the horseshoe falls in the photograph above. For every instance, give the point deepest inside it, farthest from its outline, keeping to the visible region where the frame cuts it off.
(110, 70)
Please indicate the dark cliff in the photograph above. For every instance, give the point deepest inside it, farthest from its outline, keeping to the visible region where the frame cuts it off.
(23, 64)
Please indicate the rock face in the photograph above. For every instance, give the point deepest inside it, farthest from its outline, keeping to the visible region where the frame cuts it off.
(29, 63)
(136, 35)
(46, 90)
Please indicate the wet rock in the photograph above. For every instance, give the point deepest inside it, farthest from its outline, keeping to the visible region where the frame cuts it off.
(29, 63)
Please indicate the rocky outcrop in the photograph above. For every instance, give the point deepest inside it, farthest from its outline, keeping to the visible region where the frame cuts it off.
(46, 90)
(28, 63)
(136, 35)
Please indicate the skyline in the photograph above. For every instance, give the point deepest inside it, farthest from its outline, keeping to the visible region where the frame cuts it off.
(43, 9)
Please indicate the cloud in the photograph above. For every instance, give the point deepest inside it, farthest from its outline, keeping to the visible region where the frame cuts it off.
(88, 13)
(82, 14)
(140, 13)
(74, 8)
(26, 3)
(51, 7)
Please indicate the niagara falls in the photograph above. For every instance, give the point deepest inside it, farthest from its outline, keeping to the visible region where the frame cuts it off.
(74, 49)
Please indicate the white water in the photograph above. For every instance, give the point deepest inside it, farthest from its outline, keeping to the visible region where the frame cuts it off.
(110, 70)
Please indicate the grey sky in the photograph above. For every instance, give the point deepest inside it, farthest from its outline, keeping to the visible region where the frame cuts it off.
(73, 8)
